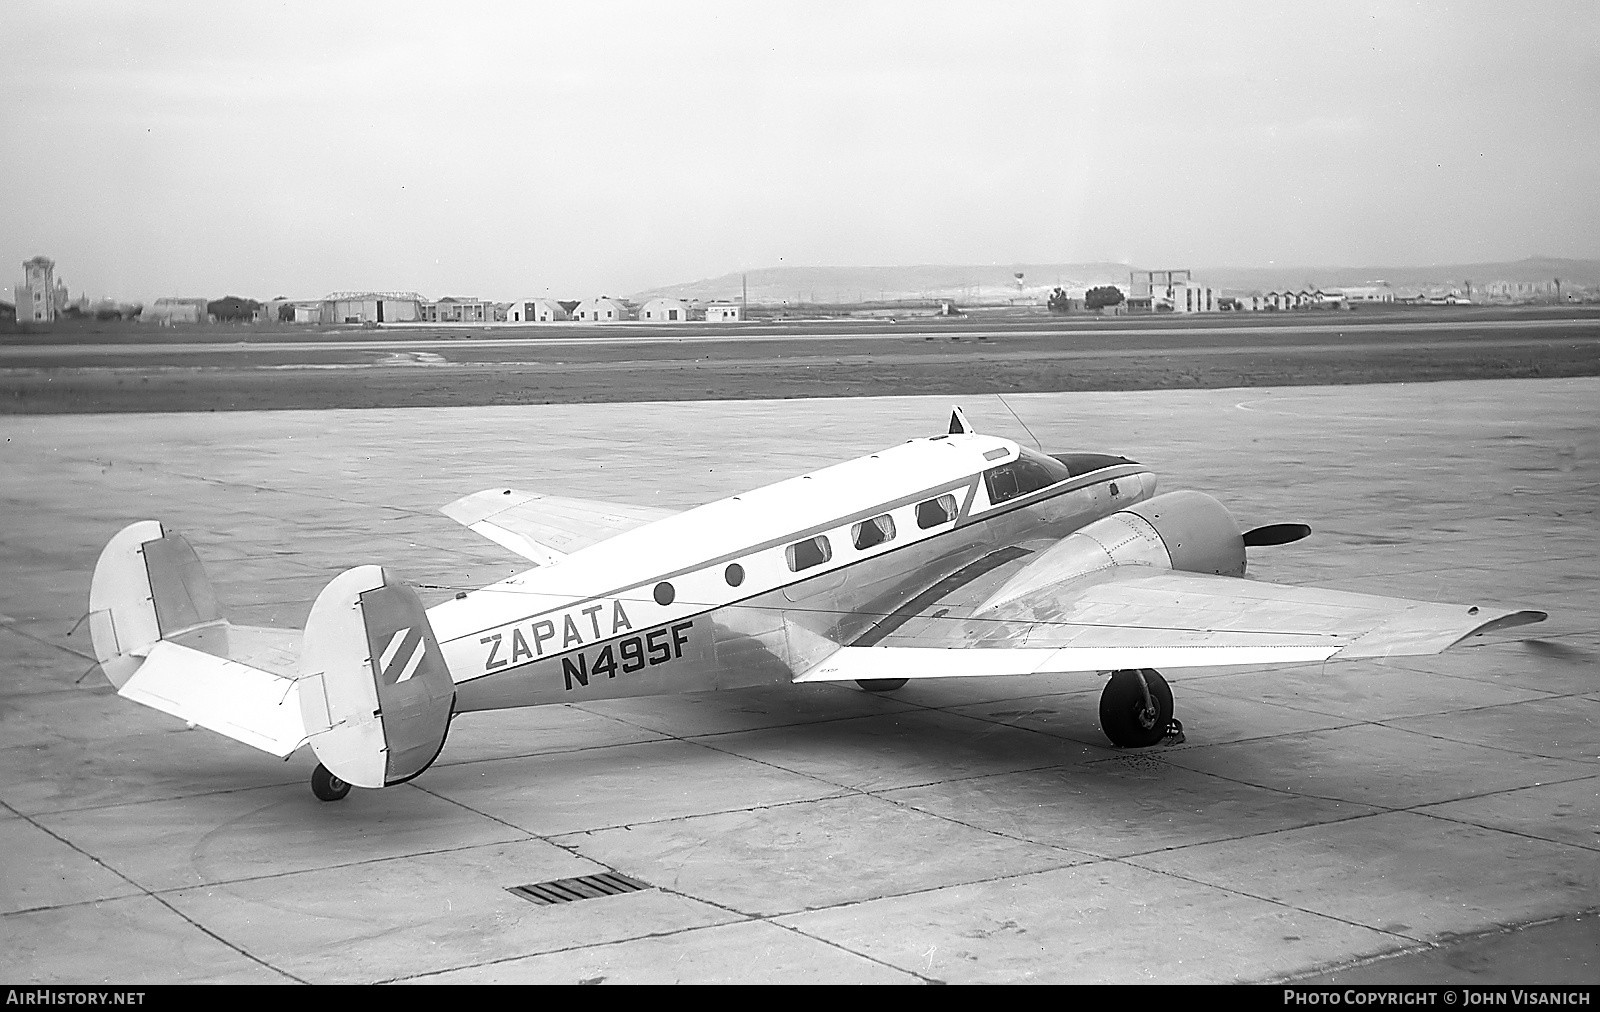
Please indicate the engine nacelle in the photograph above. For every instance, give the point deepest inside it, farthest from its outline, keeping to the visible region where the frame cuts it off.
(1199, 533)
(1186, 531)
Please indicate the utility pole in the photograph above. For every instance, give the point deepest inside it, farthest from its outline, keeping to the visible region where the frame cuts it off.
(744, 296)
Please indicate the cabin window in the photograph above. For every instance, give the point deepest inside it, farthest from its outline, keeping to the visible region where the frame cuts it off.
(872, 532)
(804, 554)
(936, 511)
(734, 574)
(1028, 473)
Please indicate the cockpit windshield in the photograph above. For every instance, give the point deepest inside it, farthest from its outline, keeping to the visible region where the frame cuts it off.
(1030, 472)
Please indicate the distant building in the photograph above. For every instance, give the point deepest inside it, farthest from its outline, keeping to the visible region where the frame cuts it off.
(724, 312)
(36, 296)
(535, 311)
(1240, 301)
(601, 310)
(275, 310)
(665, 311)
(451, 309)
(307, 311)
(373, 307)
(1369, 293)
(1288, 298)
(167, 312)
(1177, 296)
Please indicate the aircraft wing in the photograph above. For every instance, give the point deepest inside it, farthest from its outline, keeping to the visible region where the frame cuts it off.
(1140, 616)
(545, 528)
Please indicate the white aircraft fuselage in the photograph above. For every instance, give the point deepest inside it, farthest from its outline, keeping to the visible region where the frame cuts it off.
(758, 587)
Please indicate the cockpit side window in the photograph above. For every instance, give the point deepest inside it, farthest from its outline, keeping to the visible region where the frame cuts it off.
(869, 533)
(1030, 472)
(933, 512)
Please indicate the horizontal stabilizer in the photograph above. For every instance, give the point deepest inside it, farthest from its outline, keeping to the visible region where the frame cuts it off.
(544, 528)
(161, 639)
(249, 705)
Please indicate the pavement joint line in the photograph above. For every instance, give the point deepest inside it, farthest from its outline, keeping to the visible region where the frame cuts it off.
(552, 838)
(1268, 899)
(849, 791)
(924, 978)
(1544, 696)
(386, 859)
(1427, 946)
(1476, 744)
(925, 890)
(11, 626)
(739, 919)
(555, 751)
(1464, 821)
(153, 896)
(149, 801)
(559, 841)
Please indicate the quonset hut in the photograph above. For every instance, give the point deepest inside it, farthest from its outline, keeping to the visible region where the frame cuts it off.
(535, 311)
(665, 311)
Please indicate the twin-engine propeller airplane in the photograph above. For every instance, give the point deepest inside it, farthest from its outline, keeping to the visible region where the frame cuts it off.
(955, 556)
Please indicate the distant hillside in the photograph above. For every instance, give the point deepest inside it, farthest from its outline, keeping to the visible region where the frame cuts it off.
(997, 283)
(982, 283)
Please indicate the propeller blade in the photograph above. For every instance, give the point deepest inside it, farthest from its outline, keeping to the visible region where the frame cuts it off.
(1275, 534)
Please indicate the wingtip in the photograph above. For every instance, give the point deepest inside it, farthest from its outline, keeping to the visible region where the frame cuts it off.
(1508, 621)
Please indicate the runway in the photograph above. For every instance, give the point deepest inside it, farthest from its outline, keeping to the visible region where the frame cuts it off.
(469, 341)
(577, 364)
(1316, 819)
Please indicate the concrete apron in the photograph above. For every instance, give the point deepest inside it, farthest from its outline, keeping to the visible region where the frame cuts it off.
(1317, 817)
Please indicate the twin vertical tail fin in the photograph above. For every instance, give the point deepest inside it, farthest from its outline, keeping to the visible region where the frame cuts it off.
(376, 696)
(366, 684)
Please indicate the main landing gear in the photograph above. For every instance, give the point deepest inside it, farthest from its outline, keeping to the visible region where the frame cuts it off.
(326, 786)
(1136, 709)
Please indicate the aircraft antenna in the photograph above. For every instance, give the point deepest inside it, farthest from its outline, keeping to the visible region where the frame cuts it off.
(1021, 423)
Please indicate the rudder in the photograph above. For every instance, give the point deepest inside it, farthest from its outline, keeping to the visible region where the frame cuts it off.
(374, 680)
(148, 585)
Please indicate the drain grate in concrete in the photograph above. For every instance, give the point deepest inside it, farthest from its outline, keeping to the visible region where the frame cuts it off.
(585, 887)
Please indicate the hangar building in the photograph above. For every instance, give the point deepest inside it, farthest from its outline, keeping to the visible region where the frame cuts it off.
(168, 311)
(452, 309)
(601, 310)
(535, 311)
(665, 311)
(373, 307)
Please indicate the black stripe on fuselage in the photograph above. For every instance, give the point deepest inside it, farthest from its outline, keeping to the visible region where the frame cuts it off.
(1003, 555)
(1010, 505)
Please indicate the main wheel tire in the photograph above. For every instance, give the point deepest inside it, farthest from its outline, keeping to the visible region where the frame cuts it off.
(1125, 718)
(326, 786)
(882, 684)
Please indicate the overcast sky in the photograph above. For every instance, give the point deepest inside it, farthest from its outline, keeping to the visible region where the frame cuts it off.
(505, 150)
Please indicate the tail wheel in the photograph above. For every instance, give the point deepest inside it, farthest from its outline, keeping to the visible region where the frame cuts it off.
(326, 786)
(1136, 708)
(882, 684)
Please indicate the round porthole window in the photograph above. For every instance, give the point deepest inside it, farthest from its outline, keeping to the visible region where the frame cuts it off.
(735, 574)
(665, 593)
